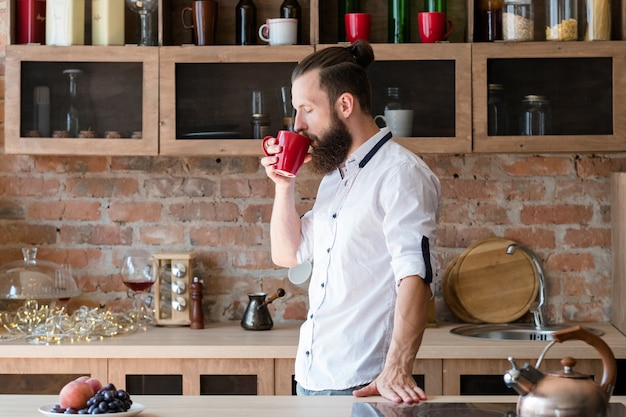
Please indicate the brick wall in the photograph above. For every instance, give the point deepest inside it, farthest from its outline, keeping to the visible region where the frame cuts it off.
(91, 211)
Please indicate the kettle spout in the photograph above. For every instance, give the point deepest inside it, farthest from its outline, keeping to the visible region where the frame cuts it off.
(522, 380)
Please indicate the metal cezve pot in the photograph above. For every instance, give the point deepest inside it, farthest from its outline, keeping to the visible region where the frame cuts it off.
(564, 393)
(257, 315)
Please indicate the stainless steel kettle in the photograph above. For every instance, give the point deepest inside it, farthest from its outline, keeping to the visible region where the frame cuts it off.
(564, 393)
(257, 315)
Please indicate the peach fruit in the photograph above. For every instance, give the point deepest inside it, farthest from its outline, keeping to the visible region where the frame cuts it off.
(75, 394)
(95, 384)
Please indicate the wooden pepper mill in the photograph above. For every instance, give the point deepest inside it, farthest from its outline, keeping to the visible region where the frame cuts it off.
(196, 316)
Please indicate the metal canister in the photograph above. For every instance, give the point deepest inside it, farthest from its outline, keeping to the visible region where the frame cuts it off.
(536, 116)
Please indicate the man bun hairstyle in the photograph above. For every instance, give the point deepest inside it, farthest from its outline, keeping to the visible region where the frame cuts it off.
(341, 70)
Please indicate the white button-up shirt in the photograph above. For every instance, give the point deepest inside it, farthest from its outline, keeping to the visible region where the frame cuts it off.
(368, 229)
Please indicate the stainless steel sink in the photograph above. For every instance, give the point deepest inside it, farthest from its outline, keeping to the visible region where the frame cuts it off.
(518, 331)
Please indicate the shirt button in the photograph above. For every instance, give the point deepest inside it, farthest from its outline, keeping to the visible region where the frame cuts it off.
(307, 353)
(311, 316)
(328, 250)
(334, 215)
(322, 285)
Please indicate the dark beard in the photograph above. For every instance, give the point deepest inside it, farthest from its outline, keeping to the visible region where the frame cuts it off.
(331, 149)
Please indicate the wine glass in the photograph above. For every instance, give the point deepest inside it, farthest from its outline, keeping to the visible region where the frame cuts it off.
(144, 8)
(139, 274)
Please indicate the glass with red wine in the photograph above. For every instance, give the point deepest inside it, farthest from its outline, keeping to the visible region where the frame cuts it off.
(139, 274)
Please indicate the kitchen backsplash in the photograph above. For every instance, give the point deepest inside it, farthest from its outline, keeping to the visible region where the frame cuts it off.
(91, 211)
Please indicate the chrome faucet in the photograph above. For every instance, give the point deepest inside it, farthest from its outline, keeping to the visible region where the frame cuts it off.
(537, 308)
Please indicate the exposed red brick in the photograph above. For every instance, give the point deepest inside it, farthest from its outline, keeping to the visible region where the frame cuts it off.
(599, 166)
(256, 213)
(491, 212)
(72, 164)
(27, 234)
(587, 238)
(64, 210)
(20, 186)
(571, 262)
(556, 214)
(235, 188)
(162, 235)
(191, 211)
(518, 190)
(121, 211)
(206, 235)
(253, 260)
(101, 187)
(532, 237)
(245, 236)
(540, 166)
(96, 234)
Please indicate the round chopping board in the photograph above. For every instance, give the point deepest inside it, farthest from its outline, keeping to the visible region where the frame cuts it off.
(492, 286)
(449, 294)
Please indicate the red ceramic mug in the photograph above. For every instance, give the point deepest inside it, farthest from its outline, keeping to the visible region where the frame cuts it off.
(295, 147)
(358, 26)
(432, 26)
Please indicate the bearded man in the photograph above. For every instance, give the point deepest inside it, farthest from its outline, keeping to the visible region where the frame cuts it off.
(370, 234)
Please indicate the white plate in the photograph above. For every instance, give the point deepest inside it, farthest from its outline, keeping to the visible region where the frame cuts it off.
(135, 408)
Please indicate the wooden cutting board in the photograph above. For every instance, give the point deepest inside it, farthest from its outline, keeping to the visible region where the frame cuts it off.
(484, 284)
(492, 286)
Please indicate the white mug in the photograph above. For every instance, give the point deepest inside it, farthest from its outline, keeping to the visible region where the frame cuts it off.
(400, 122)
(279, 31)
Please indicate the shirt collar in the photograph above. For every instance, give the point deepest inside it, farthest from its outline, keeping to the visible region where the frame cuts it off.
(362, 151)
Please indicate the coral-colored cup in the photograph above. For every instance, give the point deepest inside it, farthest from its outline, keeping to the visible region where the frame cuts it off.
(432, 26)
(295, 147)
(358, 26)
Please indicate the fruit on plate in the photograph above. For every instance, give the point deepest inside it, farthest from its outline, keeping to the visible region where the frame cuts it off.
(75, 394)
(80, 397)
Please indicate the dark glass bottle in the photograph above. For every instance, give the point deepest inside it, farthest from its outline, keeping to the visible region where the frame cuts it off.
(245, 23)
(487, 20)
(345, 6)
(291, 9)
(399, 21)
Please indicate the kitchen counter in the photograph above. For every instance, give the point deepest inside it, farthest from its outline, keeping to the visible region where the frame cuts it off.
(444, 359)
(239, 406)
(229, 340)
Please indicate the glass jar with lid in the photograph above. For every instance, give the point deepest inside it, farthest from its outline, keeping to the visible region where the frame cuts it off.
(518, 20)
(536, 116)
(497, 111)
(561, 20)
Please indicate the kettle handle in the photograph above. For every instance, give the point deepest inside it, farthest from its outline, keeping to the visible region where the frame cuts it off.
(609, 372)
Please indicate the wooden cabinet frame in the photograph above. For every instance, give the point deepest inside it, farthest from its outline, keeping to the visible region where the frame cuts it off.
(482, 52)
(454, 368)
(191, 369)
(430, 368)
(148, 57)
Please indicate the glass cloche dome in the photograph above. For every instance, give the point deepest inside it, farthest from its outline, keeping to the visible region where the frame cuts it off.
(33, 279)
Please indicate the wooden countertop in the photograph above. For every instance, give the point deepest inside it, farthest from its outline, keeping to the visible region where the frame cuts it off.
(229, 340)
(233, 406)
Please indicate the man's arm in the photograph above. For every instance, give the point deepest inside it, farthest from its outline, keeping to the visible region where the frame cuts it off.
(285, 234)
(396, 381)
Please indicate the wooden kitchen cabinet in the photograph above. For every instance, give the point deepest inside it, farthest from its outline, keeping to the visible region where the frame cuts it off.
(194, 372)
(427, 370)
(46, 375)
(117, 88)
(206, 99)
(479, 376)
(196, 100)
(583, 81)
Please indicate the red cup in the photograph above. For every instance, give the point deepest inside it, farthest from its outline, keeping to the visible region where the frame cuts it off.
(432, 26)
(358, 26)
(295, 147)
